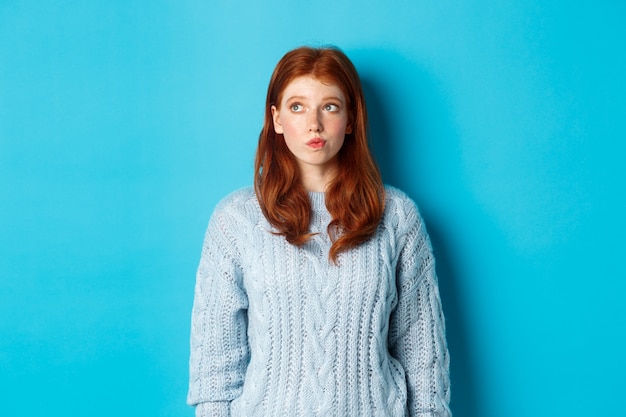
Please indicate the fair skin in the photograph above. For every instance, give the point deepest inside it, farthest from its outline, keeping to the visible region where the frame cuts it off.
(313, 119)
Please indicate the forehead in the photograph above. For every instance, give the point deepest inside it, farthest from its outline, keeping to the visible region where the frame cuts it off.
(311, 87)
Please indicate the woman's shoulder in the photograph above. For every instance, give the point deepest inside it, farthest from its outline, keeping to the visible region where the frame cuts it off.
(238, 202)
(400, 208)
(395, 193)
(237, 197)
(397, 199)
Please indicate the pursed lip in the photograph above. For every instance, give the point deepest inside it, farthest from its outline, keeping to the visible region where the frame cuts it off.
(316, 143)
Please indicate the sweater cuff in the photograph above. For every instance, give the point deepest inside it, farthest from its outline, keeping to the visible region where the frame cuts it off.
(213, 409)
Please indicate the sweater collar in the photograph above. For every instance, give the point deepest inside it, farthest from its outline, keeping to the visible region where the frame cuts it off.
(318, 201)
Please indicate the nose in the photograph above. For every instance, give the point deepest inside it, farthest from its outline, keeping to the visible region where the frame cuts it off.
(315, 122)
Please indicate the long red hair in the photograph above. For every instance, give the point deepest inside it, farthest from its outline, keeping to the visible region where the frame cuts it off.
(355, 197)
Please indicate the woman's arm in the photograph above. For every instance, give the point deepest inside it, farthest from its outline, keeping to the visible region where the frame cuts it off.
(417, 328)
(219, 348)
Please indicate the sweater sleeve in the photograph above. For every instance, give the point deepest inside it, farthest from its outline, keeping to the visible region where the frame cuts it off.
(417, 329)
(219, 347)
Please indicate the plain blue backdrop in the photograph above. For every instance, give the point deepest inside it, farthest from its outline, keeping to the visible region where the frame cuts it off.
(122, 123)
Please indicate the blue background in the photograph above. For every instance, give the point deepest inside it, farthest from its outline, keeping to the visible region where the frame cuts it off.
(122, 123)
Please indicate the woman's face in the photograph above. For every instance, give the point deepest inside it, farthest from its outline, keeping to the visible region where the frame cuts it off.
(313, 118)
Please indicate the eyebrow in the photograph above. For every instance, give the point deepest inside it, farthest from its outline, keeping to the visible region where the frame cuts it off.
(304, 98)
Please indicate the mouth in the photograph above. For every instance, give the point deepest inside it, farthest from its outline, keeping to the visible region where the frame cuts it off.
(316, 143)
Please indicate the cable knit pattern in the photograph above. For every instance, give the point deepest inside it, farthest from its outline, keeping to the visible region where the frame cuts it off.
(278, 330)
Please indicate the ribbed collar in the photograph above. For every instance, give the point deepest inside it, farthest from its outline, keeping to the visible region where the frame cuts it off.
(318, 201)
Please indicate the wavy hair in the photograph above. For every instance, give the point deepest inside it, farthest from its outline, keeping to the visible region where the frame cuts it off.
(355, 196)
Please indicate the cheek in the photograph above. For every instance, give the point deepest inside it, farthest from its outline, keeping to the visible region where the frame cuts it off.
(290, 135)
(339, 126)
(290, 126)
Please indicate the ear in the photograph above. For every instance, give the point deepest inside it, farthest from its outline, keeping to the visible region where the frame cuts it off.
(278, 128)
(348, 128)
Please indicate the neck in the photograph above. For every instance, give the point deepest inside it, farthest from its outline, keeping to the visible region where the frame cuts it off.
(316, 179)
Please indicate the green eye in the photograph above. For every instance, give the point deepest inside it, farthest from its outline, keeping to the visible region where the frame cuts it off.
(296, 107)
(331, 107)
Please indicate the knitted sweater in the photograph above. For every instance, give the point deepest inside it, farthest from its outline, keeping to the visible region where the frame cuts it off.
(279, 330)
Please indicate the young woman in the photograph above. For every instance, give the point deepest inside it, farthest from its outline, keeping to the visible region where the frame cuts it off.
(316, 293)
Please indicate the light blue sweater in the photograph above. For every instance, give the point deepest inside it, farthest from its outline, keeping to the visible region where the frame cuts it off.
(279, 330)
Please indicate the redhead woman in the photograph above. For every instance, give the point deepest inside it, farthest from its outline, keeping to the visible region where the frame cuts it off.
(316, 293)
